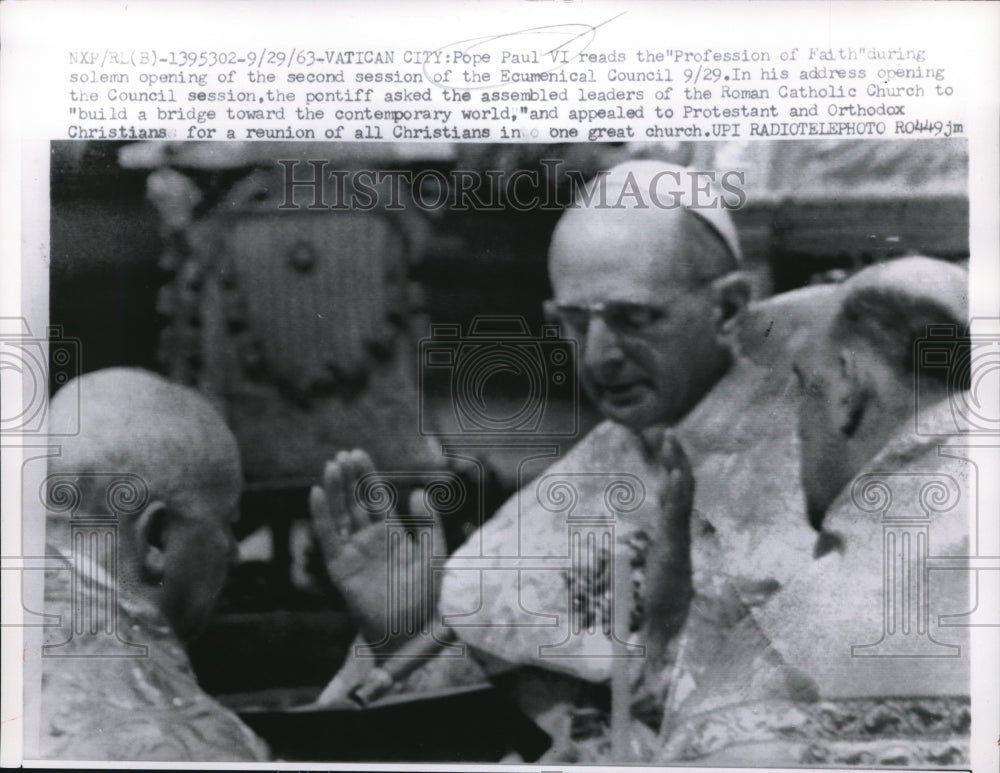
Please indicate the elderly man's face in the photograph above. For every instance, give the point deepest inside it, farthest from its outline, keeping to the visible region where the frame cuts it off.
(648, 345)
(824, 455)
(200, 552)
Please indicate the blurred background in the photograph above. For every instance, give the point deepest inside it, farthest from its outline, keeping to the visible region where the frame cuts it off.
(309, 327)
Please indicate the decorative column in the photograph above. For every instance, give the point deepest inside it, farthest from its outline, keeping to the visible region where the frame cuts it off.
(594, 592)
(905, 553)
(412, 561)
(94, 628)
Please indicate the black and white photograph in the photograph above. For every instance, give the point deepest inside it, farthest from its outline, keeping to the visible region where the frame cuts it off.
(621, 453)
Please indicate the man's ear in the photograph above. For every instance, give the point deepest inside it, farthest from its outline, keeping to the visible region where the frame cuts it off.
(851, 393)
(150, 535)
(730, 296)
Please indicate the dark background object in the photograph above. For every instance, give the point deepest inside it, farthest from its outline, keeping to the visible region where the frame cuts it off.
(468, 725)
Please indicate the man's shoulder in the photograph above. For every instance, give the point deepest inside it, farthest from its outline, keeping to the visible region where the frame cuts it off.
(908, 508)
(138, 708)
(592, 451)
(608, 453)
(126, 692)
(913, 474)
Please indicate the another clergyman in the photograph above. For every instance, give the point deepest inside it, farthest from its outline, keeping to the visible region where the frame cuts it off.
(862, 658)
(155, 474)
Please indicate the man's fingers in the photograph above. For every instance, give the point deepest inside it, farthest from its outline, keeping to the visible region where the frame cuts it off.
(357, 466)
(319, 512)
(336, 501)
(680, 491)
(672, 455)
(333, 484)
(326, 527)
(678, 496)
(676, 464)
(374, 514)
(340, 482)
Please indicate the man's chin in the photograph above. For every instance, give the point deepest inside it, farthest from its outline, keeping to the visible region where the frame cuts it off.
(635, 416)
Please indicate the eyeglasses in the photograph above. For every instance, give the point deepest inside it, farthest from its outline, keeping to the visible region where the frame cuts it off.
(622, 317)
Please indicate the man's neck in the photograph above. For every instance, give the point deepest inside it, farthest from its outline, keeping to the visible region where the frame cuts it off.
(103, 567)
(903, 440)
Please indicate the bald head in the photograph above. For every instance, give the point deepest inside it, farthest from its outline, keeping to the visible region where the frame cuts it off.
(174, 552)
(857, 368)
(133, 421)
(644, 280)
(658, 225)
(890, 306)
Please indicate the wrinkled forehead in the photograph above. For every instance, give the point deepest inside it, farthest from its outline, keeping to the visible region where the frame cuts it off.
(627, 254)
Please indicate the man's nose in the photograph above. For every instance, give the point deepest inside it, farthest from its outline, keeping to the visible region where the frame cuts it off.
(601, 347)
